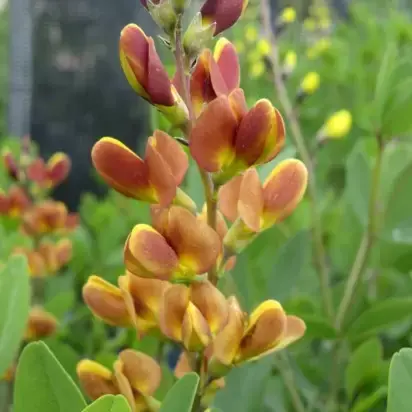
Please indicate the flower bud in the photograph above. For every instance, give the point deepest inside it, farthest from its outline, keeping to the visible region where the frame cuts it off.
(58, 168)
(106, 301)
(195, 330)
(289, 63)
(41, 324)
(336, 126)
(308, 86)
(95, 379)
(225, 13)
(288, 15)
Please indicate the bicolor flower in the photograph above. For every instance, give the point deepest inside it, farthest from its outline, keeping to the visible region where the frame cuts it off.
(49, 217)
(138, 376)
(246, 338)
(106, 302)
(154, 179)
(41, 324)
(50, 174)
(256, 207)
(55, 255)
(178, 247)
(147, 75)
(14, 202)
(224, 13)
(215, 74)
(143, 298)
(228, 138)
(193, 315)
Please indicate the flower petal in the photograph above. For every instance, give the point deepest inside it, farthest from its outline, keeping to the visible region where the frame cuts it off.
(250, 205)
(228, 62)
(211, 303)
(295, 329)
(95, 379)
(173, 154)
(238, 104)
(142, 371)
(131, 179)
(267, 326)
(172, 311)
(195, 330)
(211, 139)
(105, 301)
(196, 244)
(148, 250)
(58, 168)
(229, 197)
(41, 324)
(283, 190)
(253, 132)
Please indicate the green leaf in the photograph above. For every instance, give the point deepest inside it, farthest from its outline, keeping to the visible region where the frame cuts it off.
(318, 327)
(366, 403)
(358, 183)
(400, 382)
(289, 264)
(364, 366)
(14, 308)
(42, 385)
(399, 206)
(182, 395)
(380, 316)
(109, 403)
(245, 387)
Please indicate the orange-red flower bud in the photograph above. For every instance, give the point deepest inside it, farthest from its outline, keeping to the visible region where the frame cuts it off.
(14, 203)
(183, 249)
(227, 138)
(154, 179)
(214, 74)
(193, 315)
(147, 75)
(143, 298)
(244, 338)
(260, 206)
(95, 379)
(225, 13)
(50, 174)
(137, 377)
(106, 301)
(48, 217)
(41, 324)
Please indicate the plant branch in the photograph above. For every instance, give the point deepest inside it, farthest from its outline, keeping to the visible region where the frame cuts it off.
(297, 136)
(288, 379)
(367, 241)
(209, 187)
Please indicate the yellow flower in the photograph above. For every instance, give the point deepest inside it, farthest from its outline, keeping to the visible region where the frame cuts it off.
(257, 69)
(288, 15)
(290, 61)
(310, 83)
(338, 125)
(251, 33)
(263, 47)
(309, 24)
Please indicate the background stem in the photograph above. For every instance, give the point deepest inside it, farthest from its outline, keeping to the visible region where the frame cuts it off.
(301, 147)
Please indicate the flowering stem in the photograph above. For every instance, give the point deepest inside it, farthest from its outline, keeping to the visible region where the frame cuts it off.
(209, 187)
(367, 241)
(299, 141)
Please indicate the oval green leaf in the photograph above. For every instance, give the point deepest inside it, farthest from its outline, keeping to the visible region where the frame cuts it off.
(400, 382)
(14, 308)
(109, 403)
(182, 395)
(42, 385)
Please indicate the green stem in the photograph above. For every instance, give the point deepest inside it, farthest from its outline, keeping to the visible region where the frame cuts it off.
(367, 241)
(301, 147)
